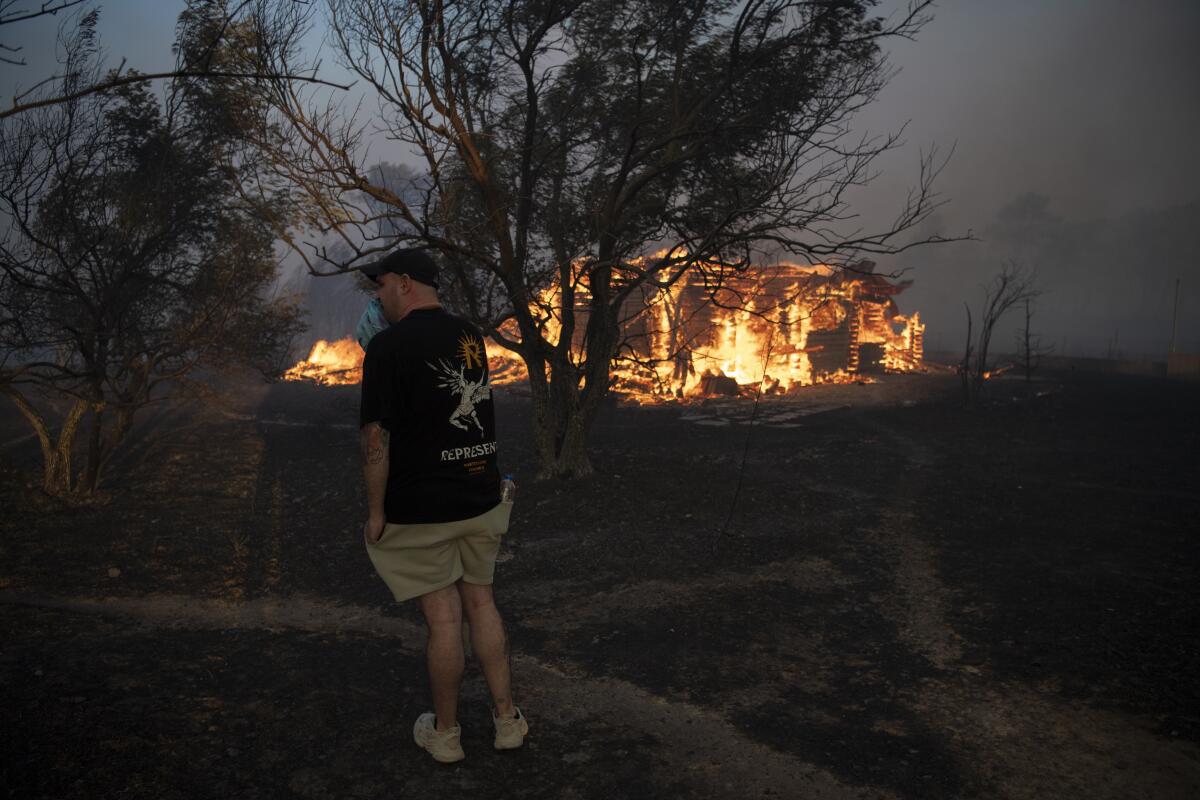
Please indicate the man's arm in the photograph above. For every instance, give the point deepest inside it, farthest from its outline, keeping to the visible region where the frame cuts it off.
(373, 446)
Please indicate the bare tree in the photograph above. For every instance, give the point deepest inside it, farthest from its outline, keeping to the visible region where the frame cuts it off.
(579, 152)
(1030, 349)
(1013, 285)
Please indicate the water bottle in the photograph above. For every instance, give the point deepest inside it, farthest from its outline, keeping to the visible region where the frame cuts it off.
(508, 489)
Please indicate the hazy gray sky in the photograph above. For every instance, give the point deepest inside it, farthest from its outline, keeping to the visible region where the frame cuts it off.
(1092, 103)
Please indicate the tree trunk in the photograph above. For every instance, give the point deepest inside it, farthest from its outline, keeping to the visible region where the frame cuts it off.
(91, 472)
(56, 454)
(964, 369)
(573, 461)
(1028, 345)
(105, 447)
(560, 426)
(985, 341)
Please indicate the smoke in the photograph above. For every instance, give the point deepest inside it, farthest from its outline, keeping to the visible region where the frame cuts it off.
(1108, 284)
(1074, 125)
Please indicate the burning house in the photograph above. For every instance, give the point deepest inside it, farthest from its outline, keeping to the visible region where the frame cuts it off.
(783, 327)
(778, 328)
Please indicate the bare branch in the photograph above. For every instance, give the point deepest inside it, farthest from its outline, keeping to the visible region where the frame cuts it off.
(134, 78)
(47, 9)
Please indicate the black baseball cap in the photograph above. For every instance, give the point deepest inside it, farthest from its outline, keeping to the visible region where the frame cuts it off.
(411, 261)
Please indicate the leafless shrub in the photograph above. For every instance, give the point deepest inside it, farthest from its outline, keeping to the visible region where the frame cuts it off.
(1013, 285)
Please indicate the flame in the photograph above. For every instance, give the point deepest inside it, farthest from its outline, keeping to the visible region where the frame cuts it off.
(505, 367)
(330, 364)
(340, 363)
(997, 371)
(772, 329)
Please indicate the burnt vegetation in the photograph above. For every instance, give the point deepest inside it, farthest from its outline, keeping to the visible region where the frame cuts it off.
(1015, 285)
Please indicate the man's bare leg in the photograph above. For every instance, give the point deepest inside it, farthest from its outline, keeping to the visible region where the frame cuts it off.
(490, 643)
(444, 652)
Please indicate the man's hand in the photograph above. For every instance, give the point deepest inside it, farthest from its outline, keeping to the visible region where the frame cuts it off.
(374, 439)
(373, 529)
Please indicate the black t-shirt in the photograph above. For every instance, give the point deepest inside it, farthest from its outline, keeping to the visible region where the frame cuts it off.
(425, 379)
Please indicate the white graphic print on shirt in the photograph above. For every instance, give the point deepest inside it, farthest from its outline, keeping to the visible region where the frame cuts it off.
(469, 392)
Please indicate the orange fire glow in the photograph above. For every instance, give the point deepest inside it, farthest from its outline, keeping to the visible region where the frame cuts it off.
(777, 329)
(330, 364)
(772, 330)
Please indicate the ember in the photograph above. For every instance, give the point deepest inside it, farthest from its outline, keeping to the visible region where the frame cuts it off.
(330, 363)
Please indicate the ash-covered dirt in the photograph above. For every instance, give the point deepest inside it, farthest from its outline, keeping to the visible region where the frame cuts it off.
(908, 599)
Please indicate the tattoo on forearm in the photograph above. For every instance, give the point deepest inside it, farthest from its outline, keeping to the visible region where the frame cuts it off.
(374, 444)
(380, 449)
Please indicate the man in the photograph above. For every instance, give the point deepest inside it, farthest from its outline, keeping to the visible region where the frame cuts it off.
(434, 516)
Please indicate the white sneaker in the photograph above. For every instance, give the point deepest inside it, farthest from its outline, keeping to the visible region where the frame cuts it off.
(510, 731)
(444, 746)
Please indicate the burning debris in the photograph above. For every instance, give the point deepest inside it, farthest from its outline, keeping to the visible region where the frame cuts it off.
(775, 329)
(330, 364)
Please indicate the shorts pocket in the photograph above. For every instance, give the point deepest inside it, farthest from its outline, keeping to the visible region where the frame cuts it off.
(388, 528)
(500, 517)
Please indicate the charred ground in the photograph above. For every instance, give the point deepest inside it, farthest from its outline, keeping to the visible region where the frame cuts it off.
(910, 600)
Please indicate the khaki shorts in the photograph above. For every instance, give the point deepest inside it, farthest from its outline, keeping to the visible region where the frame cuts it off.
(420, 558)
